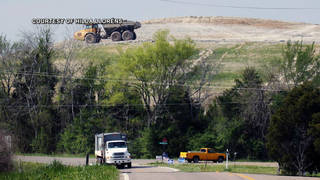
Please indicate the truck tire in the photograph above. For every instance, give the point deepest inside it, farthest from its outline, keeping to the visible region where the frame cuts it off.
(134, 36)
(196, 159)
(90, 38)
(120, 166)
(220, 159)
(127, 35)
(98, 39)
(116, 36)
(99, 161)
(129, 165)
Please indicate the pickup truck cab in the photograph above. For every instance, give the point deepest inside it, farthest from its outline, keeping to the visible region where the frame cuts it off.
(205, 154)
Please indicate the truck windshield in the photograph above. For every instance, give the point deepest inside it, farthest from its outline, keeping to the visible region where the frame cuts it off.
(117, 145)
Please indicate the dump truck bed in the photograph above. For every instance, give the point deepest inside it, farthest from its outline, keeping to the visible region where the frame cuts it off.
(131, 24)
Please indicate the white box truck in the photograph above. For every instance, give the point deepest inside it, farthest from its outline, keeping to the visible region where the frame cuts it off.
(111, 148)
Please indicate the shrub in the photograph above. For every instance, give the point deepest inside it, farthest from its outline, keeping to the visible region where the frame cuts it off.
(5, 154)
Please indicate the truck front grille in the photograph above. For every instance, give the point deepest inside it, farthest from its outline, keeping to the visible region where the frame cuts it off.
(118, 157)
(118, 154)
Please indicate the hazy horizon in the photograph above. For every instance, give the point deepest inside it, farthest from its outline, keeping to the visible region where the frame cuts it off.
(16, 15)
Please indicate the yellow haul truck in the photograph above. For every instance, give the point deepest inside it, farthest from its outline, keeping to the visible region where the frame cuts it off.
(205, 154)
(93, 33)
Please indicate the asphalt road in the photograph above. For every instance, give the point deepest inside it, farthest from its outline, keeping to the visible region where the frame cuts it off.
(135, 162)
(73, 161)
(164, 173)
(141, 171)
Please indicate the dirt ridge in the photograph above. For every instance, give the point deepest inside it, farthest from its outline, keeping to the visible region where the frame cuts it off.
(220, 20)
(219, 29)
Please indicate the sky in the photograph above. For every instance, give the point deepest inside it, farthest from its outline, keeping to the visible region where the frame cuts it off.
(16, 15)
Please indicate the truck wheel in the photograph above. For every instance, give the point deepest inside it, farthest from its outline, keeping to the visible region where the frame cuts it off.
(127, 35)
(116, 36)
(220, 159)
(134, 36)
(196, 159)
(90, 38)
(129, 165)
(99, 161)
(189, 160)
(120, 166)
(98, 39)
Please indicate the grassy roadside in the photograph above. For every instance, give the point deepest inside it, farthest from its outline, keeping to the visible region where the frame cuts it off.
(254, 160)
(56, 170)
(250, 169)
(246, 169)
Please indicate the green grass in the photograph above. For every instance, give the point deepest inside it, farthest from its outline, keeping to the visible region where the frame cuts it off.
(247, 169)
(235, 58)
(221, 168)
(265, 57)
(57, 171)
(99, 53)
(226, 76)
(253, 160)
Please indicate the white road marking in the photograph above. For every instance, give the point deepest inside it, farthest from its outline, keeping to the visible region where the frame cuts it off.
(125, 176)
(172, 169)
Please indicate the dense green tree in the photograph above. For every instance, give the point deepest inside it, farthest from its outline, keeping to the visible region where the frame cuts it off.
(28, 84)
(182, 119)
(291, 136)
(152, 69)
(301, 63)
(222, 133)
(177, 126)
(247, 112)
(158, 76)
(78, 137)
(90, 114)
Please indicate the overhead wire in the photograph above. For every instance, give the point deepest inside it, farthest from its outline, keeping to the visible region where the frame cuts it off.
(26, 73)
(125, 105)
(239, 7)
(136, 81)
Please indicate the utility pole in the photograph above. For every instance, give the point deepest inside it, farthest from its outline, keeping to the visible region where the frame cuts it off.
(227, 154)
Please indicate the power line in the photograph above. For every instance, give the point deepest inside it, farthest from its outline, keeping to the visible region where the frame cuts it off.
(121, 105)
(136, 81)
(238, 7)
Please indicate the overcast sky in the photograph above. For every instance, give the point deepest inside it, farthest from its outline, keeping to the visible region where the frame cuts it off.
(16, 15)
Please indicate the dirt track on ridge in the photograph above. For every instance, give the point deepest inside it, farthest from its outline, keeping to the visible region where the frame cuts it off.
(229, 30)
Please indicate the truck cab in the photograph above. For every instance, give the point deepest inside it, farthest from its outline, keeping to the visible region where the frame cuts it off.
(90, 33)
(111, 148)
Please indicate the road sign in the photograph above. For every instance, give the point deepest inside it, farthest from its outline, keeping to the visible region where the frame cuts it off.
(164, 140)
(159, 158)
(181, 160)
(163, 143)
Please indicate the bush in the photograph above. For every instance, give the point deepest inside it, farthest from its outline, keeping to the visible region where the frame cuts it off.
(5, 155)
(293, 131)
(55, 170)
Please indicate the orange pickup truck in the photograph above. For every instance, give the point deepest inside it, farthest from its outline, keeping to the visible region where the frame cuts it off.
(205, 154)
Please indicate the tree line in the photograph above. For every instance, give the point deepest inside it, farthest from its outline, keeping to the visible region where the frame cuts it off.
(157, 90)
